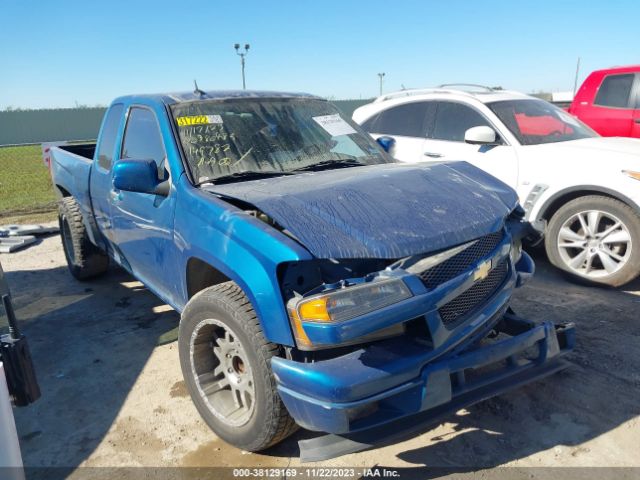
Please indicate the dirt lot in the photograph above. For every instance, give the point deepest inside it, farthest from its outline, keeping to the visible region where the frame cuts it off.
(112, 393)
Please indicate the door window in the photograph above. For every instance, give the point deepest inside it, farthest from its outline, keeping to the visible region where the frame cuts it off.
(143, 140)
(409, 120)
(615, 91)
(108, 137)
(454, 119)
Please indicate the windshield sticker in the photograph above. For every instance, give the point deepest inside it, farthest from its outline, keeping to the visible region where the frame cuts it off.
(199, 120)
(334, 125)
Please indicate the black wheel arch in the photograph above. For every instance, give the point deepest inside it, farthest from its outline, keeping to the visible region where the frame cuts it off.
(201, 274)
(61, 192)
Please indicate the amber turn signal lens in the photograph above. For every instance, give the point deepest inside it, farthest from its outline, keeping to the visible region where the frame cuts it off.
(315, 310)
(632, 174)
(298, 331)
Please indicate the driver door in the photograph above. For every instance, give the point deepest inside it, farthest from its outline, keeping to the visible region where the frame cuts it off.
(143, 222)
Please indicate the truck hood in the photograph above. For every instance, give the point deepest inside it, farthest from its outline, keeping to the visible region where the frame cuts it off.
(381, 211)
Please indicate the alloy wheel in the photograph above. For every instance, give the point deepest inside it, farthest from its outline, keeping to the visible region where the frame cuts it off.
(222, 373)
(594, 243)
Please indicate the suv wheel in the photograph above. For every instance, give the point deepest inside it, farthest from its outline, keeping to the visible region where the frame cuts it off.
(597, 239)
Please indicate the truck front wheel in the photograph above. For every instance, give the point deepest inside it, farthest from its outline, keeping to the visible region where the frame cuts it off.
(84, 259)
(226, 364)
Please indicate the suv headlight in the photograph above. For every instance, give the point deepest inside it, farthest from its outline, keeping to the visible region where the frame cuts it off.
(344, 304)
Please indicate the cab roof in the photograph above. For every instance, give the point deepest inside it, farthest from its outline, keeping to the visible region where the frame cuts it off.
(618, 69)
(185, 97)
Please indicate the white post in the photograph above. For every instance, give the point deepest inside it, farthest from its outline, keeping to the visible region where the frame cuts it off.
(575, 81)
(10, 458)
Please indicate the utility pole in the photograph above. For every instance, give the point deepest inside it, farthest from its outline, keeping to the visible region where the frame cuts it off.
(381, 75)
(242, 55)
(575, 82)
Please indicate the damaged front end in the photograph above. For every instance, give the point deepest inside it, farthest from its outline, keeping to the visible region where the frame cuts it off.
(433, 297)
(380, 340)
(403, 311)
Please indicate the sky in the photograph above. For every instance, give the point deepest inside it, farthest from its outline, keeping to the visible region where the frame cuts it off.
(64, 53)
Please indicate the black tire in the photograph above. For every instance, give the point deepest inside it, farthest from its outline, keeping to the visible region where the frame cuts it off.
(85, 260)
(269, 422)
(610, 206)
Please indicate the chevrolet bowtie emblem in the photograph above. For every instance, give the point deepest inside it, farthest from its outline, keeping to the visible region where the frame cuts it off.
(482, 271)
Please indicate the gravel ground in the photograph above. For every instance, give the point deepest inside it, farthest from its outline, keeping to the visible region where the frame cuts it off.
(113, 396)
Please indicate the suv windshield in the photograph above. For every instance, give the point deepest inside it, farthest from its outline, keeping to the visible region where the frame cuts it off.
(535, 121)
(263, 136)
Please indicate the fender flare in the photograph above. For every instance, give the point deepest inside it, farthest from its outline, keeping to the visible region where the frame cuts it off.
(255, 290)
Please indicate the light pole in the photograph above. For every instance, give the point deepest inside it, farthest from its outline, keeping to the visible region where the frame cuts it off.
(381, 75)
(242, 55)
(575, 81)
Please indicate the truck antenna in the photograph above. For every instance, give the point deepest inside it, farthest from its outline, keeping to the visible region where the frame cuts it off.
(196, 90)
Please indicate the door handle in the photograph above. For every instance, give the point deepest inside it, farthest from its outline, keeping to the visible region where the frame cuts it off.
(637, 120)
(433, 154)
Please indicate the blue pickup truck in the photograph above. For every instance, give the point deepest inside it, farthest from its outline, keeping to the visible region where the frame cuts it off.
(319, 282)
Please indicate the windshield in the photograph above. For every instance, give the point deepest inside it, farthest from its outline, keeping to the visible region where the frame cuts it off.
(535, 121)
(222, 138)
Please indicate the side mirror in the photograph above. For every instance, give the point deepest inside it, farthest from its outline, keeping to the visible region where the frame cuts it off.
(386, 143)
(480, 136)
(138, 176)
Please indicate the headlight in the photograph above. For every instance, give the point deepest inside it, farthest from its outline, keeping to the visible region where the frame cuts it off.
(349, 302)
(632, 174)
(344, 304)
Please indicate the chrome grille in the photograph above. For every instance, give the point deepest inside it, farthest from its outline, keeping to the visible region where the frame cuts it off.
(473, 297)
(462, 261)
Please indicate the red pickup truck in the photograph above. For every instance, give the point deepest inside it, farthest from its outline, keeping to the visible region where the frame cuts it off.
(609, 102)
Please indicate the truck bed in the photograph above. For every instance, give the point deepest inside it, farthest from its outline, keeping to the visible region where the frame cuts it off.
(70, 172)
(85, 150)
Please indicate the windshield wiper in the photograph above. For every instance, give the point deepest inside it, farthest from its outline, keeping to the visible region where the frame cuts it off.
(246, 175)
(329, 164)
(254, 174)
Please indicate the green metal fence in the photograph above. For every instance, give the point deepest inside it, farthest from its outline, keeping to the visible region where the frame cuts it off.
(348, 106)
(36, 126)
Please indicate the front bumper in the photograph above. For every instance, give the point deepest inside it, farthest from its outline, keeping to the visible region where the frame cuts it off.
(522, 351)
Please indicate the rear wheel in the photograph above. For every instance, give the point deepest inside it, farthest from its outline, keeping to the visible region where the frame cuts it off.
(595, 239)
(226, 364)
(84, 259)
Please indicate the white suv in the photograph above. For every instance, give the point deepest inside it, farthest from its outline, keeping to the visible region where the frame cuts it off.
(580, 189)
